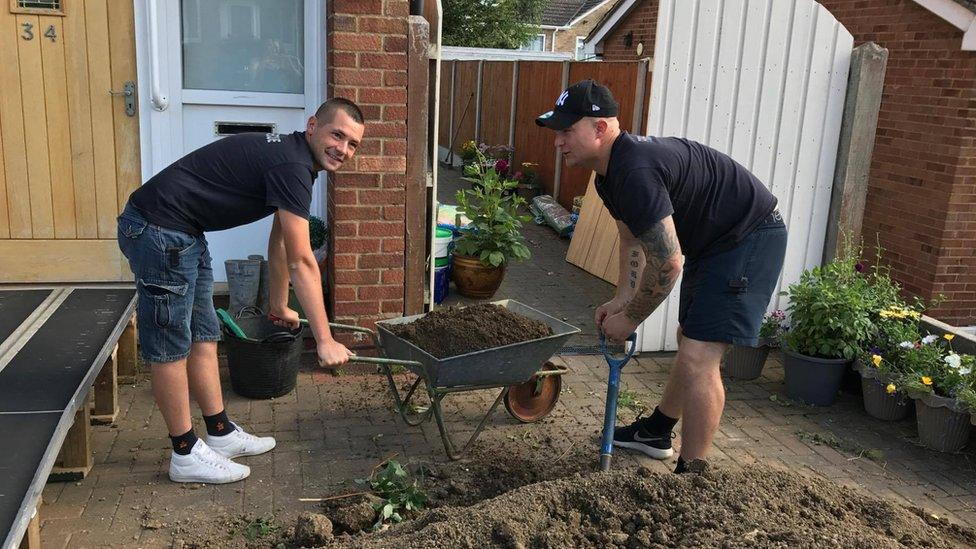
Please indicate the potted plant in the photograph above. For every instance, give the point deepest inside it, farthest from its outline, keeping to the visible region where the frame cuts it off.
(493, 237)
(829, 323)
(943, 385)
(742, 362)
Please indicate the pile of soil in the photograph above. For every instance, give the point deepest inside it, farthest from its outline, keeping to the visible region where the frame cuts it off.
(751, 507)
(456, 331)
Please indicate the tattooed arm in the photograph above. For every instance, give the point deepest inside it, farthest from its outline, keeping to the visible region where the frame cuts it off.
(663, 256)
(631, 265)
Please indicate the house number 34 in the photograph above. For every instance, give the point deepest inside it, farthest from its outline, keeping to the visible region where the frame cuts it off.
(28, 32)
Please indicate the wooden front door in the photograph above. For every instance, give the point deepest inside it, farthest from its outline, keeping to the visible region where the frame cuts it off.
(69, 150)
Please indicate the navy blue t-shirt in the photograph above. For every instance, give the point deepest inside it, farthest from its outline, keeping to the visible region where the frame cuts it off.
(231, 182)
(714, 200)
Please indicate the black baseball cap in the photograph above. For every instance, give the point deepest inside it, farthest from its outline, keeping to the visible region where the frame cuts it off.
(586, 98)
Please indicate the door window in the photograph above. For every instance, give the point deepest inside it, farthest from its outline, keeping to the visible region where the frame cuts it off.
(243, 45)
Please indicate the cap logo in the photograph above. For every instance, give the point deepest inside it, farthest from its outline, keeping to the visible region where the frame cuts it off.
(595, 108)
(562, 98)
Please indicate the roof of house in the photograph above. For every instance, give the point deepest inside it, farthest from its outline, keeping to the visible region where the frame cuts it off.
(563, 13)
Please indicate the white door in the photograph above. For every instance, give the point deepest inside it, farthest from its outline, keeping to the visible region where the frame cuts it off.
(763, 81)
(219, 67)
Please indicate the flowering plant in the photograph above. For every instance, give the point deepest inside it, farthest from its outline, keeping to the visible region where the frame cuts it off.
(469, 151)
(930, 366)
(772, 328)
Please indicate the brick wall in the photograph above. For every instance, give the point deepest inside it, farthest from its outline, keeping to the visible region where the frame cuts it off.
(367, 63)
(642, 22)
(921, 203)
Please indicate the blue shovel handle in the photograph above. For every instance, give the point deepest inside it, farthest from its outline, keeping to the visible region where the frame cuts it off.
(613, 388)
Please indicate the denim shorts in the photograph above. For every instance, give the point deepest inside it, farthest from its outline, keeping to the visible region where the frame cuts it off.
(724, 296)
(174, 282)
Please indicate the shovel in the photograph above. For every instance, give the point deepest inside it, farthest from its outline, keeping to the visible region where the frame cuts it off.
(613, 387)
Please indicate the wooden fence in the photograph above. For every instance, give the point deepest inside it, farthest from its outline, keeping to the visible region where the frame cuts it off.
(496, 102)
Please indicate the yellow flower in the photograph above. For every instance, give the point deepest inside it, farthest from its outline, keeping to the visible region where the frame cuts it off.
(926, 380)
(949, 337)
(876, 359)
(890, 388)
(885, 314)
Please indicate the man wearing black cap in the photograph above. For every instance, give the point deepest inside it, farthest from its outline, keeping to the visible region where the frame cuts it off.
(673, 197)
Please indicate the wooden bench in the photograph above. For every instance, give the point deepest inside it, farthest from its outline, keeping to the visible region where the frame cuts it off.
(59, 348)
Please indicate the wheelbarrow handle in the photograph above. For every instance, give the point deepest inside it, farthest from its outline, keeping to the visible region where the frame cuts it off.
(613, 360)
(383, 361)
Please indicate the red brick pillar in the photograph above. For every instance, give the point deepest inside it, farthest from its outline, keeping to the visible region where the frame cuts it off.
(367, 63)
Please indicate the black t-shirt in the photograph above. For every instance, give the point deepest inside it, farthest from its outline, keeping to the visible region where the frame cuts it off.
(230, 182)
(714, 200)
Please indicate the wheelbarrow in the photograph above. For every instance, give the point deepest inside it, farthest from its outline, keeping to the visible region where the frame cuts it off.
(529, 384)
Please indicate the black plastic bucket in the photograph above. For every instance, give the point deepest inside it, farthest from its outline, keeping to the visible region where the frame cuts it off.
(266, 364)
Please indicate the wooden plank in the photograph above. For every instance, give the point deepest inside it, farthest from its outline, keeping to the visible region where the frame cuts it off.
(771, 96)
(12, 123)
(62, 261)
(497, 87)
(74, 462)
(750, 82)
(79, 115)
(586, 225)
(106, 392)
(100, 82)
(35, 130)
(612, 272)
(32, 537)
(465, 103)
(4, 220)
(415, 191)
(539, 84)
(122, 33)
(444, 128)
(58, 133)
(602, 249)
(128, 355)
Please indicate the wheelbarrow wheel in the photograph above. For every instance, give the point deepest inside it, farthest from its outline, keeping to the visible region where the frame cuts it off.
(533, 400)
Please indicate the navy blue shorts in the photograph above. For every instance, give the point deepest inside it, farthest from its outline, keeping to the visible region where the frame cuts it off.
(724, 296)
(174, 282)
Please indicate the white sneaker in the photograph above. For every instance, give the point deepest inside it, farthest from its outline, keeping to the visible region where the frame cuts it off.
(240, 443)
(202, 464)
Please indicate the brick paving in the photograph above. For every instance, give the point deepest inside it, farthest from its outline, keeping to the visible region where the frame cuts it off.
(332, 430)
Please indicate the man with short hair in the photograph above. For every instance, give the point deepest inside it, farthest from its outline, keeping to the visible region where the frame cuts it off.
(674, 197)
(228, 183)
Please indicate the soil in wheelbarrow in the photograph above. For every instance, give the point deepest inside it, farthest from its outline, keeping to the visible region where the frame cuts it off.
(755, 506)
(456, 331)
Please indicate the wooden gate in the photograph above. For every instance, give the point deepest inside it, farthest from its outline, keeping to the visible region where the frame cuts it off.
(69, 151)
(764, 81)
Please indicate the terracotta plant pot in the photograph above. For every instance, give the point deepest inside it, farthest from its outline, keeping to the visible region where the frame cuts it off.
(473, 279)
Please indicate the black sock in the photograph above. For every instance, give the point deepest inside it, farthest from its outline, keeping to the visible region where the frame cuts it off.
(184, 443)
(680, 468)
(658, 423)
(218, 425)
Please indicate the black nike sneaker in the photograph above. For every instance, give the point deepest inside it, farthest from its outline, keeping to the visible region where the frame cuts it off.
(635, 437)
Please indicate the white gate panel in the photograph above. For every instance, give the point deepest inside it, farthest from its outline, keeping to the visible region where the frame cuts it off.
(763, 81)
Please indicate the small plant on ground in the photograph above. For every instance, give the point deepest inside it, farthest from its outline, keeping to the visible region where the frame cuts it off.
(259, 528)
(398, 493)
(630, 400)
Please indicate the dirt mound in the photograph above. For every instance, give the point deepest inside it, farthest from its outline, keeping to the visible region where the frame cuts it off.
(752, 507)
(455, 331)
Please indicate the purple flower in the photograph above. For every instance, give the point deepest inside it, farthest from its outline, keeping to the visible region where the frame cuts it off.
(875, 351)
(517, 176)
(501, 166)
(859, 267)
